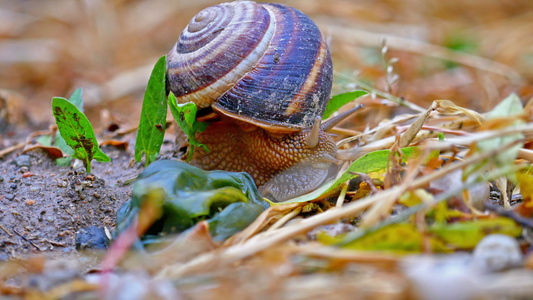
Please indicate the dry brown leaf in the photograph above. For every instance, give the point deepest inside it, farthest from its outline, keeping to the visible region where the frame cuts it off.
(53, 152)
(448, 107)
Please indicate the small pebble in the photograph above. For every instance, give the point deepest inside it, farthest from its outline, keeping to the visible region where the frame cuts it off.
(14, 186)
(62, 184)
(441, 277)
(23, 160)
(91, 238)
(10, 196)
(497, 252)
(68, 249)
(4, 256)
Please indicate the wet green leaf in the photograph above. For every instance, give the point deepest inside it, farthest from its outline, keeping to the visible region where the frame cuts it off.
(185, 116)
(232, 219)
(338, 101)
(78, 132)
(228, 200)
(153, 115)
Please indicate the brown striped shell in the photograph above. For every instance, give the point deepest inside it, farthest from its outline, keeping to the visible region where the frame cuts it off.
(266, 64)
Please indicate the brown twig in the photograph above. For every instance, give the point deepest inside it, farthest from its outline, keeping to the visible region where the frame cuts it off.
(8, 150)
(7, 231)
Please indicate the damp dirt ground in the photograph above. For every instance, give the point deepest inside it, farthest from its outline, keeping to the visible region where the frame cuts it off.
(43, 206)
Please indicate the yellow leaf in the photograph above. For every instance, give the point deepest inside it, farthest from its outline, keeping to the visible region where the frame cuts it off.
(400, 238)
(466, 235)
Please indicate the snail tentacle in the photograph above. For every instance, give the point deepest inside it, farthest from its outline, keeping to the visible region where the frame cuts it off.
(312, 139)
(331, 122)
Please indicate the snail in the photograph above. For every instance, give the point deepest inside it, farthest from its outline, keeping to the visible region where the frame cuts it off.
(262, 75)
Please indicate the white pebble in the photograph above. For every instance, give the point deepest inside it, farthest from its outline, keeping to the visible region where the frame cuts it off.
(497, 252)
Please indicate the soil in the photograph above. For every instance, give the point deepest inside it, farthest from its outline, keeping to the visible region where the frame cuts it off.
(44, 205)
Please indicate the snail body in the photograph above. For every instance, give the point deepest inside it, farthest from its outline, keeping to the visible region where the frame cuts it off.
(262, 73)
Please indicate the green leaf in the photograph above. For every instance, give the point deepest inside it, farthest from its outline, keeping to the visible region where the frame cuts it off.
(77, 131)
(369, 163)
(185, 116)
(510, 107)
(229, 201)
(77, 99)
(45, 140)
(232, 219)
(340, 100)
(153, 115)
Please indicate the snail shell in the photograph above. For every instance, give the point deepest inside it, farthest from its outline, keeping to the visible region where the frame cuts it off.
(265, 64)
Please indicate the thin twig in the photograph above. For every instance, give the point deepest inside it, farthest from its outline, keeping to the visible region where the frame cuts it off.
(8, 150)
(27, 240)
(7, 231)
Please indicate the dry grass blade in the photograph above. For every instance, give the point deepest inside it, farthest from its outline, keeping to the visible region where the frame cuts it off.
(286, 218)
(268, 216)
(346, 255)
(409, 135)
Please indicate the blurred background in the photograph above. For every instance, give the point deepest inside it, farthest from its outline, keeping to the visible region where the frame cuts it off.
(472, 52)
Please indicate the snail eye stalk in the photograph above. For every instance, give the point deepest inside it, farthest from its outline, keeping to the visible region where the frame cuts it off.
(312, 139)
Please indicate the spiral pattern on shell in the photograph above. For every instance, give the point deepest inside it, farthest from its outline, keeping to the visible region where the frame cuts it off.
(266, 64)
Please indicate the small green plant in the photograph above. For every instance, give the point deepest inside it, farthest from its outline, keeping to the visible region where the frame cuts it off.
(185, 115)
(153, 117)
(77, 132)
(77, 99)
